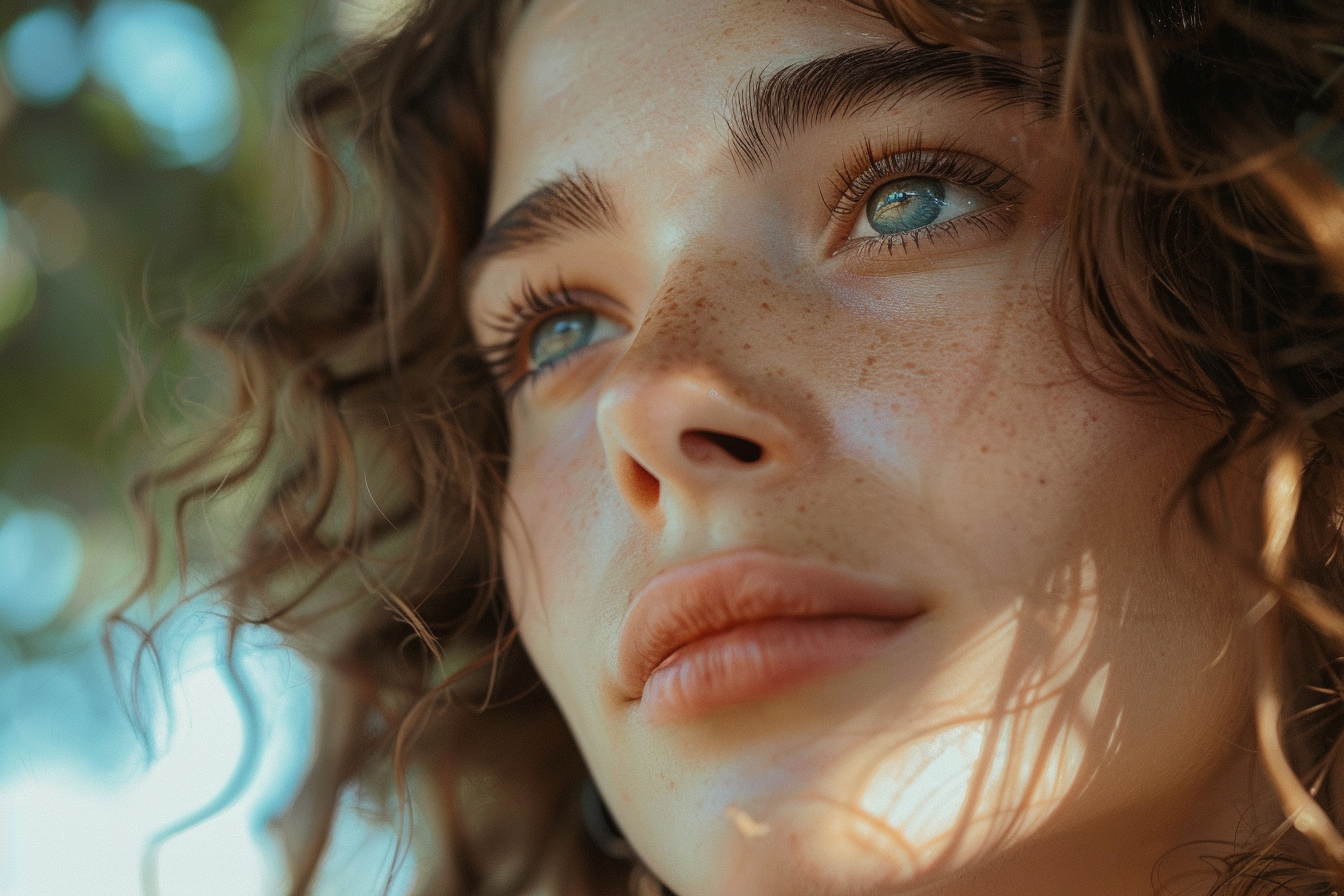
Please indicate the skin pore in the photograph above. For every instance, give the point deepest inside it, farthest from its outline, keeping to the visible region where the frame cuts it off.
(764, 282)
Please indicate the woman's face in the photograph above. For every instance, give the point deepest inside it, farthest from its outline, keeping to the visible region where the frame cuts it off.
(844, 575)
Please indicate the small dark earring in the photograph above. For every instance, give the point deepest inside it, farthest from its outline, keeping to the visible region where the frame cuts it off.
(601, 827)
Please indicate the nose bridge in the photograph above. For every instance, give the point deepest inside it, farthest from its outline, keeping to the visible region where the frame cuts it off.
(714, 311)
(690, 316)
(685, 415)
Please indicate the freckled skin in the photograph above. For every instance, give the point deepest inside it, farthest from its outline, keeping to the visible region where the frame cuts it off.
(1066, 712)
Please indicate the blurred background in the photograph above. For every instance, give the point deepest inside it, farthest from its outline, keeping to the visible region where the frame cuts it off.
(144, 171)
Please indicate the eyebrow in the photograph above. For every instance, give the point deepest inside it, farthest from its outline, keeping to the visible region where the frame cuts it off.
(572, 203)
(765, 111)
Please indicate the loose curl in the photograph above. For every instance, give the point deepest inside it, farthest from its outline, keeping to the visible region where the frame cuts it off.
(1205, 258)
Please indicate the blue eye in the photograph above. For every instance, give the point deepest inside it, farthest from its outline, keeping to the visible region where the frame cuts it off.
(905, 205)
(909, 206)
(560, 335)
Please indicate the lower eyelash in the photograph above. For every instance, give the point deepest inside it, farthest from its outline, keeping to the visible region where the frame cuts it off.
(990, 220)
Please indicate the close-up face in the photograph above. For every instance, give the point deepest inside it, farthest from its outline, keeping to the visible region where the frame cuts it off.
(846, 575)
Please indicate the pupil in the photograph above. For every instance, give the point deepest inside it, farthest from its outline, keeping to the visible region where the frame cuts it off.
(910, 203)
(561, 335)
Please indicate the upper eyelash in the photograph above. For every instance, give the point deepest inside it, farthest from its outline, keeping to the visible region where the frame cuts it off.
(515, 324)
(867, 167)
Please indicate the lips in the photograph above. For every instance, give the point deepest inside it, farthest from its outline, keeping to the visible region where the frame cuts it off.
(749, 625)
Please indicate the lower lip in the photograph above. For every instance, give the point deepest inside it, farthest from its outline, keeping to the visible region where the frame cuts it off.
(761, 659)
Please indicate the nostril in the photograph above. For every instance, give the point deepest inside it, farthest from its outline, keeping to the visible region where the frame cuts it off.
(643, 485)
(702, 444)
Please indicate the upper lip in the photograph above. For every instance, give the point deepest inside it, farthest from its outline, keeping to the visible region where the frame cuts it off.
(693, 601)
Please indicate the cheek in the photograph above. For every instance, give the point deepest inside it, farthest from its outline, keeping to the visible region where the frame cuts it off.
(553, 531)
(967, 403)
(566, 538)
(551, 503)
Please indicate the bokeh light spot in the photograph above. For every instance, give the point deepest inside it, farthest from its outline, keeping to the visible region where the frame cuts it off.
(361, 19)
(44, 56)
(18, 286)
(165, 60)
(40, 560)
(72, 828)
(62, 235)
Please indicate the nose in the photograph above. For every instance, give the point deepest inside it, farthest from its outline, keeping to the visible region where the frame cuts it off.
(677, 438)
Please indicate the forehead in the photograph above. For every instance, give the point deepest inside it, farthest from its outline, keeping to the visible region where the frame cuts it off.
(602, 84)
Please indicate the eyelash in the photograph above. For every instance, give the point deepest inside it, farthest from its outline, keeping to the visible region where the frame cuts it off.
(866, 169)
(870, 167)
(527, 310)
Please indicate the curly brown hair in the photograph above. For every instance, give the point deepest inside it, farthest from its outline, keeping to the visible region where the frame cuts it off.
(1205, 239)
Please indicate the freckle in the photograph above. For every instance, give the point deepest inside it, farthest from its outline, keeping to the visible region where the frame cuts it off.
(1041, 480)
(909, 365)
(766, 306)
(802, 508)
(984, 449)
(746, 345)
(895, 406)
(870, 361)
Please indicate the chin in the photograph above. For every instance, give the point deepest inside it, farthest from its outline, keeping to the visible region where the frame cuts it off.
(823, 850)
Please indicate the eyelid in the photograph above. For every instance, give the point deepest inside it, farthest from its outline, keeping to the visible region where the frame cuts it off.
(529, 308)
(868, 167)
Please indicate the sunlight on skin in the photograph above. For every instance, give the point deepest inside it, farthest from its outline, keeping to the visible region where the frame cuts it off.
(1061, 711)
(968, 786)
(934, 794)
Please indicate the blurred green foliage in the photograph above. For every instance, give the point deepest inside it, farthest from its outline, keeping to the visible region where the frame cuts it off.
(124, 247)
(106, 249)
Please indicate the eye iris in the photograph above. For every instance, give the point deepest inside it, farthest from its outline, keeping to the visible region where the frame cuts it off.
(910, 203)
(559, 336)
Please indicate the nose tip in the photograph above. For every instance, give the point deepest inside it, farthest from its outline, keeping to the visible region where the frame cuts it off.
(678, 438)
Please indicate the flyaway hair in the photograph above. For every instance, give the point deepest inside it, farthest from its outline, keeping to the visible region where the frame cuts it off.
(364, 441)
